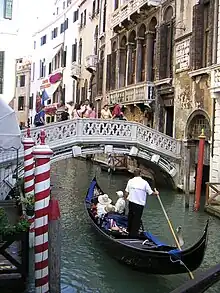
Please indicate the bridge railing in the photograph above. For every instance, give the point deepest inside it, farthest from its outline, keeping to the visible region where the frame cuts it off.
(95, 131)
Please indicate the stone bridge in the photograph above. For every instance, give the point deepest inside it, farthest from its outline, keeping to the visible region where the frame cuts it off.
(93, 135)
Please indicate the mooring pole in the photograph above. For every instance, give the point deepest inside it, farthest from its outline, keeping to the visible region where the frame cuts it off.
(187, 174)
(28, 143)
(42, 154)
(54, 246)
(199, 170)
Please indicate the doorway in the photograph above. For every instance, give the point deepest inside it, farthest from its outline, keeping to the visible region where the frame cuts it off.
(169, 120)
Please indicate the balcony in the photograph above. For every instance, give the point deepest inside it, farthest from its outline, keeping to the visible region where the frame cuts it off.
(135, 94)
(215, 80)
(75, 70)
(129, 8)
(91, 62)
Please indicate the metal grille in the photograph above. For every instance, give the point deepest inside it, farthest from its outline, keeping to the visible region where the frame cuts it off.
(198, 123)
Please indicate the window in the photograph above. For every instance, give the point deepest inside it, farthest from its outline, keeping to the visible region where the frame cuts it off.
(64, 57)
(50, 68)
(81, 20)
(22, 80)
(76, 15)
(8, 9)
(21, 103)
(93, 8)
(98, 6)
(31, 99)
(84, 21)
(66, 24)
(2, 61)
(34, 44)
(206, 34)
(33, 70)
(43, 40)
(62, 28)
(42, 69)
(74, 51)
(54, 33)
(64, 5)
(116, 4)
(68, 2)
(80, 51)
(57, 10)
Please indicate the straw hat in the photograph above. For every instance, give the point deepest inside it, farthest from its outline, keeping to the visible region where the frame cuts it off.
(109, 208)
(104, 199)
(120, 193)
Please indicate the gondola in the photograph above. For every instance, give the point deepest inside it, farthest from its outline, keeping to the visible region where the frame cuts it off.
(146, 253)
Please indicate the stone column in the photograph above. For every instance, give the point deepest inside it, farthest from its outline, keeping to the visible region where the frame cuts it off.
(129, 64)
(139, 60)
(149, 50)
(117, 70)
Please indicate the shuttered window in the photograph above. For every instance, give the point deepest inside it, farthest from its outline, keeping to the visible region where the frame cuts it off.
(163, 51)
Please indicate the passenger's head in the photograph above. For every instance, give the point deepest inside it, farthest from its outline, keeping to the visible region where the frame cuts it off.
(87, 102)
(110, 208)
(92, 106)
(77, 107)
(137, 172)
(105, 107)
(120, 194)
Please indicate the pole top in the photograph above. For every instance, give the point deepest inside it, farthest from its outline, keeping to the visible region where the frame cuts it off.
(202, 135)
(28, 132)
(42, 137)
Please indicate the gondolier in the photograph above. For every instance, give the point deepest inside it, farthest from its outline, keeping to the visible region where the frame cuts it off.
(136, 191)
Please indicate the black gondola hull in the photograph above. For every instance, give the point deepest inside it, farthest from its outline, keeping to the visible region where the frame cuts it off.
(133, 253)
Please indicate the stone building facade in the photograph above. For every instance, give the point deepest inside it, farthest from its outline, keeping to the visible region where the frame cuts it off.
(23, 101)
(215, 95)
(84, 67)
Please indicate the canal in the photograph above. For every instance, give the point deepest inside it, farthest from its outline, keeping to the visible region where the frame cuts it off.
(87, 268)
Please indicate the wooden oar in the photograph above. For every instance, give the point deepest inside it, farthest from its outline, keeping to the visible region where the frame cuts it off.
(172, 231)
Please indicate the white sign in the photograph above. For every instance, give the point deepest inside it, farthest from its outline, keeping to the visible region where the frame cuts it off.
(182, 55)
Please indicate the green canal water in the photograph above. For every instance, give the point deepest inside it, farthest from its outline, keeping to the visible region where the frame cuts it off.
(87, 268)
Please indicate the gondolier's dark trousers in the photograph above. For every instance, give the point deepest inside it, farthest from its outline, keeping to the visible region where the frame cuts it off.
(134, 218)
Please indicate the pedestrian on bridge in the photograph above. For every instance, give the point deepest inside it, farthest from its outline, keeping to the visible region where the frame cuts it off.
(136, 192)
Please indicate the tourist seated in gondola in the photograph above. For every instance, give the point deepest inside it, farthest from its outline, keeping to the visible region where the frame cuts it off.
(103, 201)
(120, 203)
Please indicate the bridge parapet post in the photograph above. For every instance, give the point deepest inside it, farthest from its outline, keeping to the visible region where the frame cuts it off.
(134, 132)
(79, 128)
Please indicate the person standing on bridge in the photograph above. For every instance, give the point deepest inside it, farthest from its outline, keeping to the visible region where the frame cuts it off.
(136, 192)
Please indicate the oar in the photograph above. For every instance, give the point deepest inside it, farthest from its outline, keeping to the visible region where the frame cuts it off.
(172, 231)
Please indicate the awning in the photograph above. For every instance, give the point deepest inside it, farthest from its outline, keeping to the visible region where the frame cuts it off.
(56, 50)
(52, 88)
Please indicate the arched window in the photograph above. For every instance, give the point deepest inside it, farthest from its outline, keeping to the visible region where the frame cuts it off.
(100, 73)
(80, 51)
(113, 65)
(142, 54)
(96, 41)
(196, 125)
(131, 57)
(151, 49)
(123, 62)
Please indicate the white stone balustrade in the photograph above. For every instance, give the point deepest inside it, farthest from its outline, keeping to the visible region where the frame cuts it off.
(75, 69)
(129, 7)
(138, 93)
(215, 80)
(91, 62)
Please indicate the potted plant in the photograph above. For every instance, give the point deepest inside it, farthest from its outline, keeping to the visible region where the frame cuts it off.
(28, 203)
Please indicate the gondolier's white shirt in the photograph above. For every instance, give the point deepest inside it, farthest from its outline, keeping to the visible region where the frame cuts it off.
(138, 189)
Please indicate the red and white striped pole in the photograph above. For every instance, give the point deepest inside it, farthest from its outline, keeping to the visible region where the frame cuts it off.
(28, 143)
(42, 154)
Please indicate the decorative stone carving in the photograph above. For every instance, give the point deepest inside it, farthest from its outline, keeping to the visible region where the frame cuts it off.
(182, 55)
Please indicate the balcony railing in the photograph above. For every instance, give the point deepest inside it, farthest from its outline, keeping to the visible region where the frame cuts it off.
(91, 62)
(139, 93)
(128, 8)
(75, 70)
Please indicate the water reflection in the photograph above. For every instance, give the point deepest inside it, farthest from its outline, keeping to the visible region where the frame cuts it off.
(86, 266)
